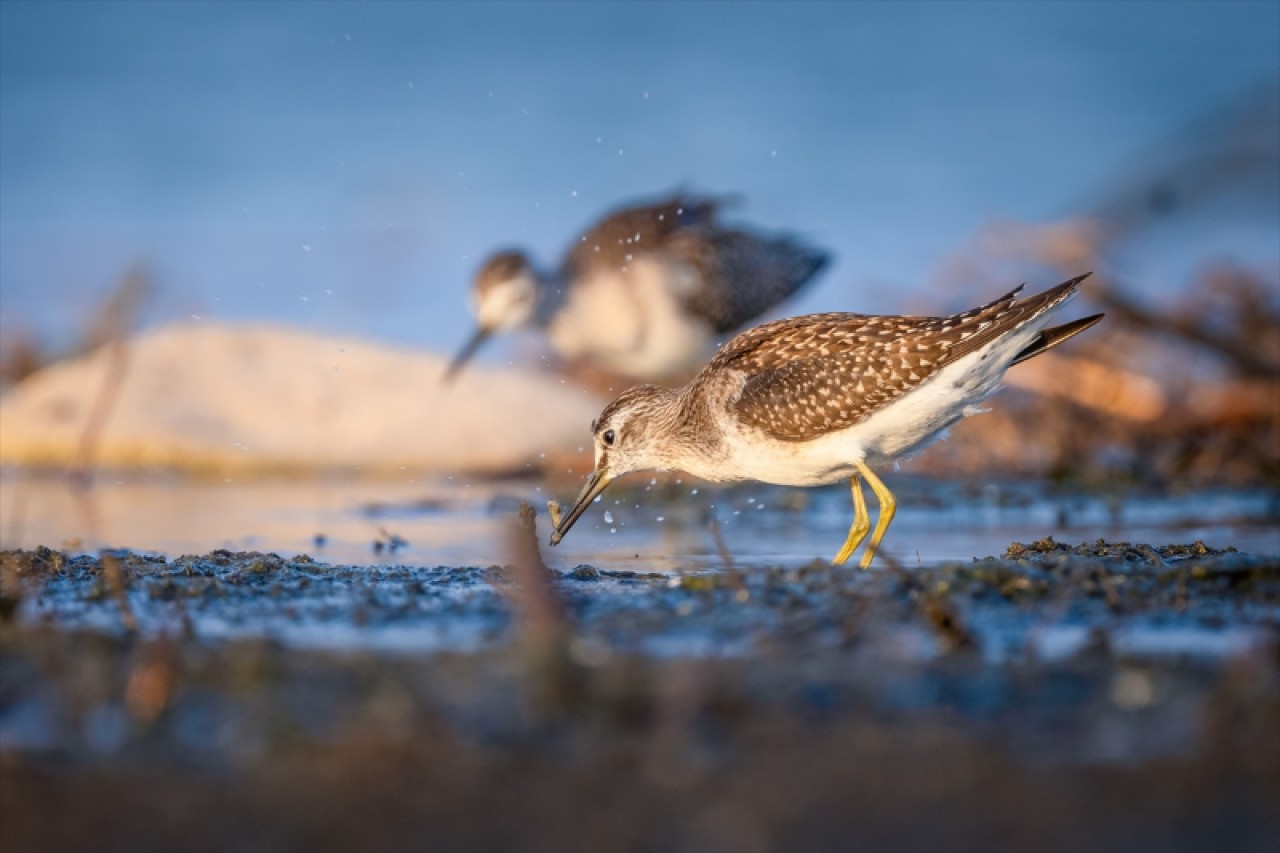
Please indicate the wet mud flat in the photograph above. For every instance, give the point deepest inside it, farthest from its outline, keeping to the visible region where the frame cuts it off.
(1098, 696)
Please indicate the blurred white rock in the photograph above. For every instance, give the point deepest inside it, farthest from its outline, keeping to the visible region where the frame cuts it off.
(206, 396)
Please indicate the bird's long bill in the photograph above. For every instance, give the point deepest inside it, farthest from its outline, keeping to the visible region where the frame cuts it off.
(596, 484)
(478, 337)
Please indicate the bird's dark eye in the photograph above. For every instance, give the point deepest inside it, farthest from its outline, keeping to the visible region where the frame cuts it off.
(608, 438)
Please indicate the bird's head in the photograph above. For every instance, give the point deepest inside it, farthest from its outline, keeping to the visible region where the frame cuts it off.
(503, 297)
(629, 436)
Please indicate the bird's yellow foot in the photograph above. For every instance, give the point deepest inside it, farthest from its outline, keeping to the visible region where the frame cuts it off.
(861, 523)
(887, 508)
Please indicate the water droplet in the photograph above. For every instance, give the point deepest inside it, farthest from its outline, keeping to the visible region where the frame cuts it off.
(608, 517)
(661, 518)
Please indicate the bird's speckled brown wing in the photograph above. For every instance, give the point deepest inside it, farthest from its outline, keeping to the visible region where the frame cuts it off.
(812, 375)
(632, 230)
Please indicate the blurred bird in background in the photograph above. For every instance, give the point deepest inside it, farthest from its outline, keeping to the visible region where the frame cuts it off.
(645, 292)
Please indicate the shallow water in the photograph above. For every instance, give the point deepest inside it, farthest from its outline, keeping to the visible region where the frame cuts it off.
(657, 527)
(399, 567)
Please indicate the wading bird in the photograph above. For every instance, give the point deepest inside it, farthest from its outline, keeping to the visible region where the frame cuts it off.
(645, 292)
(818, 399)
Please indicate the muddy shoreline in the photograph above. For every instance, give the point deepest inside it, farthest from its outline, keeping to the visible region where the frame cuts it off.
(1056, 697)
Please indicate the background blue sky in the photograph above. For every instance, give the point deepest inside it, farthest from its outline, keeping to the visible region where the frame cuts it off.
(344, 166)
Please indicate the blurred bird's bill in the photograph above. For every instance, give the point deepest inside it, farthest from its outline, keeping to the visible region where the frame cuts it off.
(596, 484)
(469, 349)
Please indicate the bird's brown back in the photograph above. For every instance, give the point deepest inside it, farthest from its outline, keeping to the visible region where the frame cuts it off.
(808, 376)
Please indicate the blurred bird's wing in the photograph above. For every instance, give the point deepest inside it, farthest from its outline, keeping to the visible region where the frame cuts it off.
(741, 275)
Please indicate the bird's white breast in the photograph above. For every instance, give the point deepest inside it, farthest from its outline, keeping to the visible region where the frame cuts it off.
(633, 321)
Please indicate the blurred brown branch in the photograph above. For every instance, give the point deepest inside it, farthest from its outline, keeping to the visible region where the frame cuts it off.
(541, 613)
(20, 356)
(115, 581)
(1183, 388)
(115, 322)
(1246, 349)
(1189, 393)
(545, 629)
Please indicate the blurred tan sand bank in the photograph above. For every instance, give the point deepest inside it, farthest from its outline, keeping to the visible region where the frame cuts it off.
(259, 398)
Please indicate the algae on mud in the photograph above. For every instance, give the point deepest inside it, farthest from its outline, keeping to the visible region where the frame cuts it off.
(305, 603)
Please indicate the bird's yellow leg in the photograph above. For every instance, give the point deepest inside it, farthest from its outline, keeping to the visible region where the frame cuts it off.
(861, 523)
(887, 507)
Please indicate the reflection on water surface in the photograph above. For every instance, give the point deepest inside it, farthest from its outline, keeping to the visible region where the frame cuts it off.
(653, 526)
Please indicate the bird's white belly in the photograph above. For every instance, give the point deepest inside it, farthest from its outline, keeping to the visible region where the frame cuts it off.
(633, 322)
(900, 429)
